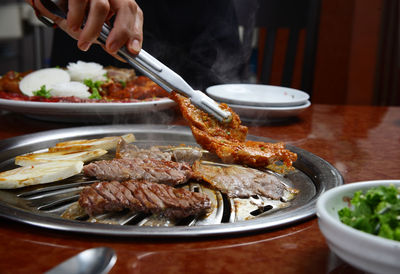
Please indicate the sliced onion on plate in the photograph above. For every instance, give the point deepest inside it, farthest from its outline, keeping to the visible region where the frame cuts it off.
(73, 88)
(47, 77)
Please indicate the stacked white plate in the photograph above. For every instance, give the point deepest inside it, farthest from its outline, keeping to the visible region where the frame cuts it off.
(261, 103)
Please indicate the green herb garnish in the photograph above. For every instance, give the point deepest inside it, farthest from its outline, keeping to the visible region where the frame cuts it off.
(95, 94)
(95, 87)
(123, 84)
(376, 211)
(43, 92)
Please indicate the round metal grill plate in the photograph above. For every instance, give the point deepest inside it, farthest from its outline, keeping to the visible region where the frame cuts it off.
(313, 176)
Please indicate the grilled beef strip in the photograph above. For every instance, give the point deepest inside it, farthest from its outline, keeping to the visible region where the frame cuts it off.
(143, 196)
(243, 182)
(152, 170)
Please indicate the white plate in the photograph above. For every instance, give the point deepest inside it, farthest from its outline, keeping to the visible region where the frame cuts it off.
(267, 114)
(257, 95)
(368, 252)
(88, 112)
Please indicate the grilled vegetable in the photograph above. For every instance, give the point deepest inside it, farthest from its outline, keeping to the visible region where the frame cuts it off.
(37, 158)
(39, 174)
(106, 143)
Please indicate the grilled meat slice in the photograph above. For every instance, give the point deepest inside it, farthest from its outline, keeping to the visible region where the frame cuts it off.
(153, 170)
(242, 182)
(187, 155)
(204, 122)
(143, 196)
(130, 151)
(227, 141)
(251, 153)
(183, 154)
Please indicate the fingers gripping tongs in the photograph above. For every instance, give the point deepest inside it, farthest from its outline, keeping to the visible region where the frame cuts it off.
(153, 69)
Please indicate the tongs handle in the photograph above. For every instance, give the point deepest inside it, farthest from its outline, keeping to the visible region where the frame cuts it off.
(144, 62)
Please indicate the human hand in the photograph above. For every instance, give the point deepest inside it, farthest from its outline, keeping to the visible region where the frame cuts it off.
(127, 29)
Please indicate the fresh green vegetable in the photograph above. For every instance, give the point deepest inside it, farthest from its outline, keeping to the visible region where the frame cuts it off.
(123, 84)
(376, 211)
(95, 94)
(42, 92)
(95, 87)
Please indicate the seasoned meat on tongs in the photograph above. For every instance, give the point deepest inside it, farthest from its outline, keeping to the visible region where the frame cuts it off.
(251, 153)
(152, 170)
(227, 140)
(143, 196)
(205, 122)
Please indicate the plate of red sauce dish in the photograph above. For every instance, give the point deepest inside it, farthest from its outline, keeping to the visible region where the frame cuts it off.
(83, 92)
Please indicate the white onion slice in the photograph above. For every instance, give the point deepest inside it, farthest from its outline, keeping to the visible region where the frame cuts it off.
(73, 88)
(39, 174)
(35, 80)
(80, 71)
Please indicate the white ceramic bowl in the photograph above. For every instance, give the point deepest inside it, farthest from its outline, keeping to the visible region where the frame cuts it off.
(265, 114)
(365, 251)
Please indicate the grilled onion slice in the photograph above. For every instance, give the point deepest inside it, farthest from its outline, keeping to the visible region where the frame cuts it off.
(39, 174)
(38, 158)
(106, 143)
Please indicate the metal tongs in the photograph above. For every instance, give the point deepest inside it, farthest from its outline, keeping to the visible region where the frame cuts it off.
(152, 68)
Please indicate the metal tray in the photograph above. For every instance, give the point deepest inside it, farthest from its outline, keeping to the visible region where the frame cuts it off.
(312, 177)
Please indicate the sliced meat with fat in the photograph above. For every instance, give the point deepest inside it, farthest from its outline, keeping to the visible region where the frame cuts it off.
(242, 182)
(143, 196)
(153, 170)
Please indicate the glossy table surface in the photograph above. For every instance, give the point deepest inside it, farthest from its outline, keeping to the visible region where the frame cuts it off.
(362, 142)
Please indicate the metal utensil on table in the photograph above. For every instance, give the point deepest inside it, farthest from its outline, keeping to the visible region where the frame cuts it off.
(98, 260)
(155, 70)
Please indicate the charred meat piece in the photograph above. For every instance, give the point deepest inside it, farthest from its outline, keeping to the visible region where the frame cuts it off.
(204, 122)
(251, 153)
(130, 151)
(227, 141)
(242, 182)
(153, 170)
(143, 196)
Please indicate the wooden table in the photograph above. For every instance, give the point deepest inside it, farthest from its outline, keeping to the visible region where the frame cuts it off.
(362, 142)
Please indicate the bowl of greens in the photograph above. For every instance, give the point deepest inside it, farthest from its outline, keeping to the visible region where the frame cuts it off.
(361, 223)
